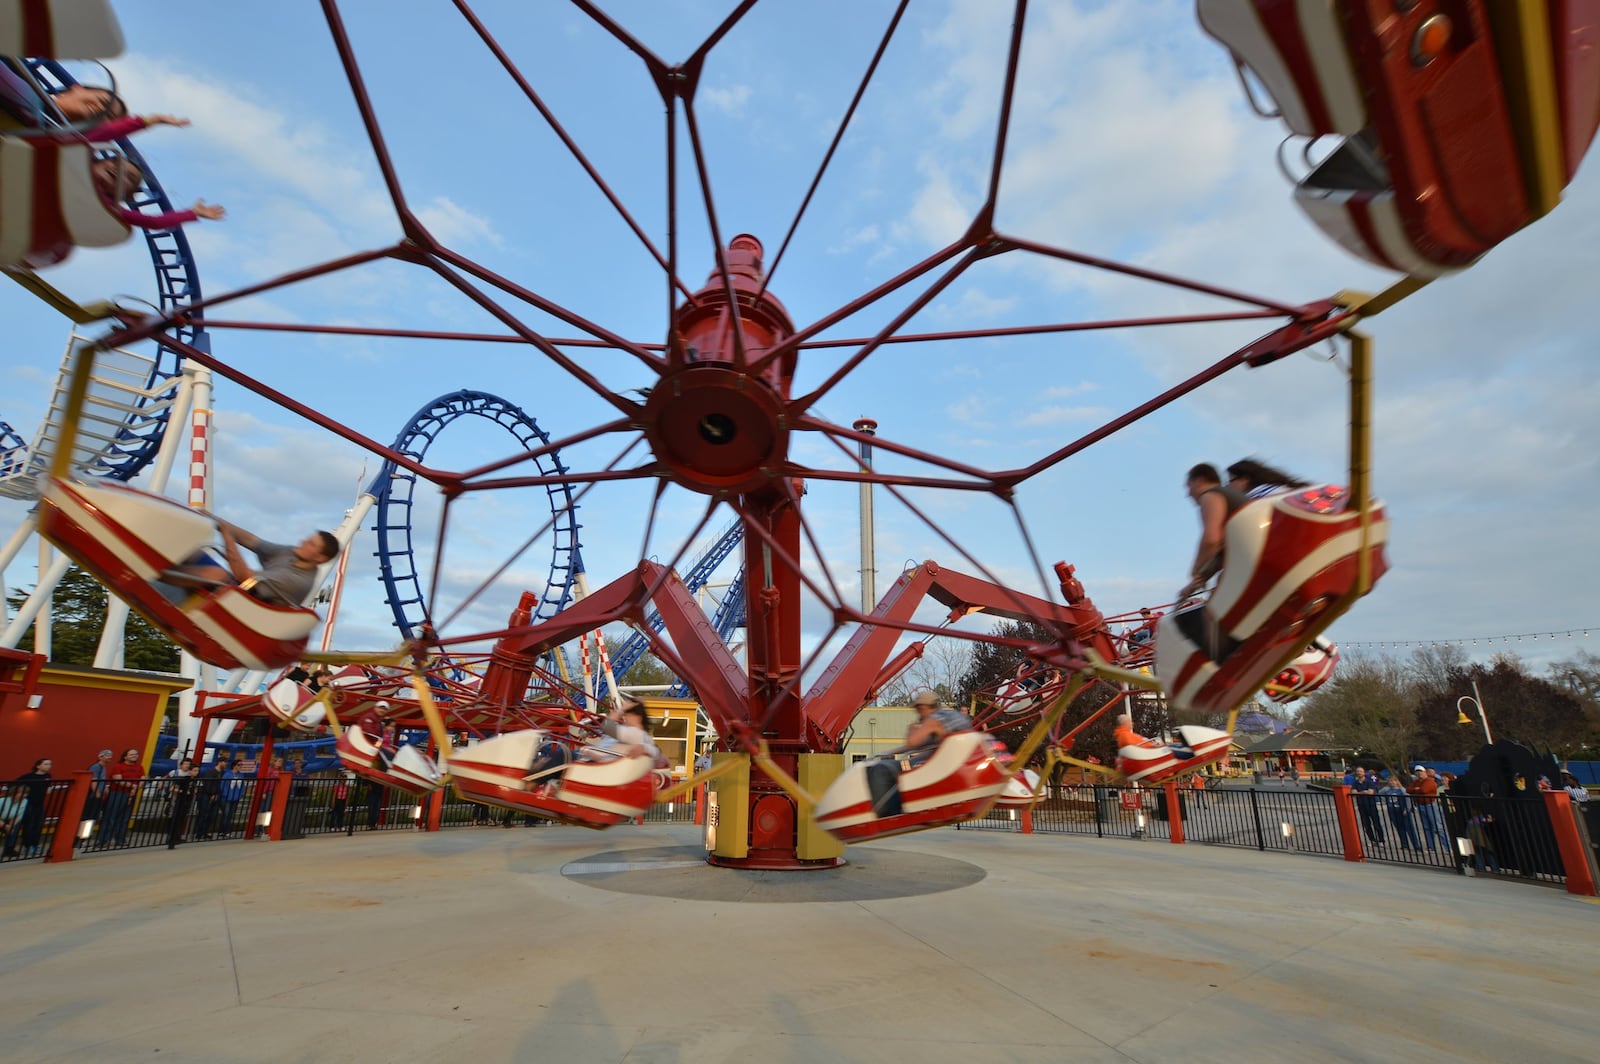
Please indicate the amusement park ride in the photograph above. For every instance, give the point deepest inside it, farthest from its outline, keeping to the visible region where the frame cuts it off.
(1460, 123)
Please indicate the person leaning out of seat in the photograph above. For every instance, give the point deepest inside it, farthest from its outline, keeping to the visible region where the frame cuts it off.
(934, 722)
(287, 575)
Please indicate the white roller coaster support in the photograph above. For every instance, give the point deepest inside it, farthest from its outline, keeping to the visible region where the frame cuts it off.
(44, 616)
(37, 603)
(8, 554)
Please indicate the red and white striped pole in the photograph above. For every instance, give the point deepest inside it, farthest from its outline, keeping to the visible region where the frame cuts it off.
(200, 457)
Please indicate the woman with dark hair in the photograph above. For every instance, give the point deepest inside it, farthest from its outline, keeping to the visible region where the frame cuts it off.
(37, 780)
(1256, 479)
(116, 179)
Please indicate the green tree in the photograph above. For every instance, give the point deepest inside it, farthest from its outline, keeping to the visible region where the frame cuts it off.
(992, 664)
(648, 671)
(78, 616)
(1579, 677)
(1370, 705)
(1523, 708)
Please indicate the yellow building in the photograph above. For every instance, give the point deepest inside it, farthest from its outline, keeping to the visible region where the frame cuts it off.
(877, 729)
(676, 729)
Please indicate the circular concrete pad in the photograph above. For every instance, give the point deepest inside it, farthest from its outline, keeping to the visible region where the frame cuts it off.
(682, 872)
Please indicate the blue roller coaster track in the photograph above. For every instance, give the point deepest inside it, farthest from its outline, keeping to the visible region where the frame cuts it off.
(729, 617)
(395, 489)
(177, 285)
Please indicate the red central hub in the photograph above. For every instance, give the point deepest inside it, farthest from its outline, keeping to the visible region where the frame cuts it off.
(716, 428)
(712, 422)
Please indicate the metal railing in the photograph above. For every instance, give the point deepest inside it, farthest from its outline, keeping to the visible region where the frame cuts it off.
(1512, 837)
(1506, 836)
(33, 829)
(1294, 821)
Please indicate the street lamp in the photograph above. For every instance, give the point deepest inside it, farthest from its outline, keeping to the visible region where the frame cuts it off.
(1477, 703)
(872, 733)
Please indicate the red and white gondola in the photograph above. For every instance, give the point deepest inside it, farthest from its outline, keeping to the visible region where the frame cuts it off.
(1022, 791)
(1156, 762)
(1434, 98)
(1305, 674)
(591, 794)
(48, 204)
(875, 799)
(1289, 558)
(60, 29)
(295, 706)
(1026, 692)
(404, 768)
(127, 538)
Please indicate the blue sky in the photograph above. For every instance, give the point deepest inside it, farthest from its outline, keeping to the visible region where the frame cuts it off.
(1131, 139)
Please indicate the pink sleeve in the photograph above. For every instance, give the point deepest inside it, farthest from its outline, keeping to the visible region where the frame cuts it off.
(101, 134)
(115, 129)
(166, 220)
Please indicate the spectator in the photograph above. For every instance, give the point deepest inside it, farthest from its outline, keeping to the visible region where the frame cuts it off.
(181, 787)
(232, 789)
(1574, 789)
(1398, 804)
(267, 777)
(1480, 829)
(341, 800)
(94, 805)
(13, 805)
(1424, 791)
(209, 794)
(374, 805)
(37, 782)
(124, 777)
(1365, 787)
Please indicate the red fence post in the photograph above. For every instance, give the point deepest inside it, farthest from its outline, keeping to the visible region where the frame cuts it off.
(279, 808)
(1349, 829)
(1027, 819)
(1174, 810)
(700, 804)
(71, 817)
(1576, 859)
(435, 814)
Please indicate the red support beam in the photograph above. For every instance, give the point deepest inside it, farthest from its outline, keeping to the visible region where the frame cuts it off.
(71, 817)
(1577, 860)
(1349, 829)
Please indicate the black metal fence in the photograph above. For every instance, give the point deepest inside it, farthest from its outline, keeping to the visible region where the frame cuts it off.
(34, 810)
(1294, 821)
(1504, 836)
(1513, 837)
(1106, 812)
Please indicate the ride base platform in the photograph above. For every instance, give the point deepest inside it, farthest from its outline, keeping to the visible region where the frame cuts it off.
(554, 943)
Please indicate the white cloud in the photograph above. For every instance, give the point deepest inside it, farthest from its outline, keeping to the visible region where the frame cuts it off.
(730, 100)
(454, 225)
(1052, 415)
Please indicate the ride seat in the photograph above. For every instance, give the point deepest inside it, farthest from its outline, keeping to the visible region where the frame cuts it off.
(60, 29)
(48, 204)
(1307, 69)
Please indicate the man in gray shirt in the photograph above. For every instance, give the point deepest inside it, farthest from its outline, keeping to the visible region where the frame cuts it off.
(287, 575)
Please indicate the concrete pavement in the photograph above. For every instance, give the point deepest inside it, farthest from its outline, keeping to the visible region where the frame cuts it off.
(558, 944)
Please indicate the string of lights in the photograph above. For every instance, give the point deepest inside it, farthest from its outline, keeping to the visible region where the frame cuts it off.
(1472, 641)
